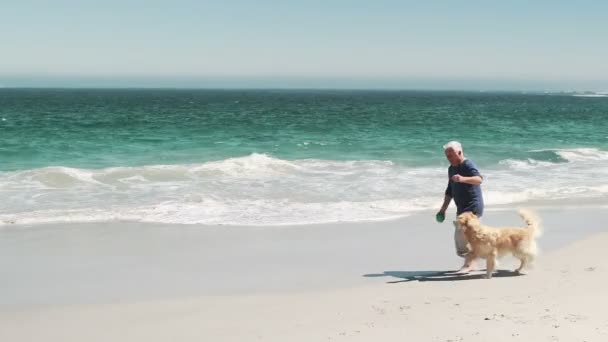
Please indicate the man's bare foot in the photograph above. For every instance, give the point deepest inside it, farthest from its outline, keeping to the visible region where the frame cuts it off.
(465, 269)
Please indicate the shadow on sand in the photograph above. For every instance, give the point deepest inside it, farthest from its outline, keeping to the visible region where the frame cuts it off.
(406, 276)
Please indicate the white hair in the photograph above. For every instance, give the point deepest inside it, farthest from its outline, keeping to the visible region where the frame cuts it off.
(454, 145)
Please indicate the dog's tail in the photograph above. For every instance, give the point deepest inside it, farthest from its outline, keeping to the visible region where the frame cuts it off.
(532, 222)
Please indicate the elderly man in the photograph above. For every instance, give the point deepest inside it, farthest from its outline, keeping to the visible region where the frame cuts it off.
(464, 186)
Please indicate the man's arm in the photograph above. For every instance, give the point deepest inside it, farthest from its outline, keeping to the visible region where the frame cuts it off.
(469, 168)
(474, 180)
(446, 202)
(447, 198)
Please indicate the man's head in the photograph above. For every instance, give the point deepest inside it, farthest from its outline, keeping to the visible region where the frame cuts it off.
(453, 152)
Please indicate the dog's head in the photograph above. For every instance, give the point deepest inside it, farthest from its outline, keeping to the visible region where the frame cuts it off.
(466, 220)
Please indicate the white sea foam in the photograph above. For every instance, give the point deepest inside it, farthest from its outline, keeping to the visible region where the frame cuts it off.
(578, 154)
(524, 164)
(262, 190)
(582, 154)
(278, 212)
(590, 95)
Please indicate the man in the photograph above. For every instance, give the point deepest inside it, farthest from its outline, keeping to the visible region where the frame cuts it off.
(464, 186)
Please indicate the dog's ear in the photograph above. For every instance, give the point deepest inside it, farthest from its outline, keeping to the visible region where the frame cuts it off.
(462, 219)
(461, 222)
(466, 220)
(459, 226)
(471, 219)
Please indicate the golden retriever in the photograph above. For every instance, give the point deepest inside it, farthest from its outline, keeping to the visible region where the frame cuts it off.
(492, 243)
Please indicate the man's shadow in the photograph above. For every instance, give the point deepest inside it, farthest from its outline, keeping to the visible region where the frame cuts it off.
(407, 276)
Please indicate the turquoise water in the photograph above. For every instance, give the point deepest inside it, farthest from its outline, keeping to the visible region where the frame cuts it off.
(266, 157)
(101, 128)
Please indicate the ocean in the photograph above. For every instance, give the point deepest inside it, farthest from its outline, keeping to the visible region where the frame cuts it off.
(284, 157)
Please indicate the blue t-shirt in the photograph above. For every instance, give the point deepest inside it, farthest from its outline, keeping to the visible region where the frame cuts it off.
(467, 197)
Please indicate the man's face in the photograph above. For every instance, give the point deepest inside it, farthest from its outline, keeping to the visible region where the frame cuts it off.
(454, 157)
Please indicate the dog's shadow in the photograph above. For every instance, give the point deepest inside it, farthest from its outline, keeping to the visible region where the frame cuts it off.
(406, 276)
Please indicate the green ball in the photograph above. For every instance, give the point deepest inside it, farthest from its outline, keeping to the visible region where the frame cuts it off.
(440, 217)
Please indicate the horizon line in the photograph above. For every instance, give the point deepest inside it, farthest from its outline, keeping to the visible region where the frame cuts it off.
(377, 89)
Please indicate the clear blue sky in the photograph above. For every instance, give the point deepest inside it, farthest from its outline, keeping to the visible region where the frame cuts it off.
(506, 44)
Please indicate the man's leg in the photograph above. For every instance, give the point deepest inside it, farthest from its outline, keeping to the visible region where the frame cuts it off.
(463, 249)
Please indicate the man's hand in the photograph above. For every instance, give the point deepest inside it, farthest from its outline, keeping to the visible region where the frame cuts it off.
(457, 178)
(440, 216)
(475, 180)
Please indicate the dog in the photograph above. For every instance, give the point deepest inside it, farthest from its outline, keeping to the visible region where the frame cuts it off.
(492, 243)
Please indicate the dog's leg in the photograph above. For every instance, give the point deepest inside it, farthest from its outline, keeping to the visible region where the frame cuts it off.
(524, 261)
(490, 263)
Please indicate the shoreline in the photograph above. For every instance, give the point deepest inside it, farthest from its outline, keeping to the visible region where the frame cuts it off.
(586, 204)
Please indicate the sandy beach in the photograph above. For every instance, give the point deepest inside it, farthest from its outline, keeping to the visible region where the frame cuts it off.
(333, 282)
(240, 171)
